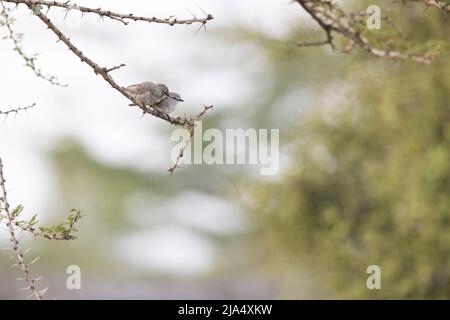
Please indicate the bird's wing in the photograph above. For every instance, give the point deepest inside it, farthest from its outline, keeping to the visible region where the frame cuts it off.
(139, 88)
(157, 94)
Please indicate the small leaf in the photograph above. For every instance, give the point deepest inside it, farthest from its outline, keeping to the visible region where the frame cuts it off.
(17, 211)
(33, 220)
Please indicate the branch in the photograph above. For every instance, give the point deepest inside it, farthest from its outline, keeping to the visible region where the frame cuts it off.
(186, 144)
(16, 110)
(16, 39)
(332, 19)
(124, 18)
(19, 256)
(62, 231)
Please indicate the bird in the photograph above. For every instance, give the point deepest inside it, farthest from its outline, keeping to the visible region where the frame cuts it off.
(154, 95)
(168, 104)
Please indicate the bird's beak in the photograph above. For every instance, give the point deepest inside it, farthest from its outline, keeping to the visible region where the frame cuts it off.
(178, 99)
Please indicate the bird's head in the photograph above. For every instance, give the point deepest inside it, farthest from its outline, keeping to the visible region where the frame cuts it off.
(175, 96)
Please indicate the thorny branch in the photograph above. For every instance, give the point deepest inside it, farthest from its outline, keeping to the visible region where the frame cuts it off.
(16, 40)
(18, 254)
(332, 20)
(59, 232)
(16, 110)
(62, 231)
(188, 141)
(124, 18)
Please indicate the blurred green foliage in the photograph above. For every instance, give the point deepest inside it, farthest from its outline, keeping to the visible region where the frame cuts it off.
(369, 177)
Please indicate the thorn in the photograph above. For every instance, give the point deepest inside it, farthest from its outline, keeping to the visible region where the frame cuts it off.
(198, 29)
(34, 260)
(193, 15)
(202, 10)
(43, 291)
(25, 288)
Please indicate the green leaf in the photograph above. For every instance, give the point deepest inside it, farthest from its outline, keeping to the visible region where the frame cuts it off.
(17, 211)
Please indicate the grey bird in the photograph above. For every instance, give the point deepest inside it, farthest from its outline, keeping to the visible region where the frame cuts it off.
(168, 104)
(155, 95)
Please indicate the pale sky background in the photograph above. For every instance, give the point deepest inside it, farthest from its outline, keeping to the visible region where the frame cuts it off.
(89, 111)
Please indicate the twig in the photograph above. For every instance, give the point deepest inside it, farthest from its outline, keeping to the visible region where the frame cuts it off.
(16, 110)
(188, 141)
(313, 43)
(25, 226)
(181, 153)
(115, 68)
(29, 61)
(19, 256)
